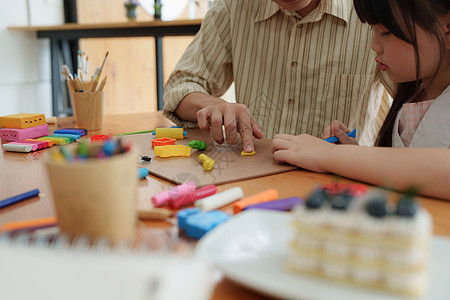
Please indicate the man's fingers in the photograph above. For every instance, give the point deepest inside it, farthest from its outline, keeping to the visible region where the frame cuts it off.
(216, 127)
(203, 120)
(229, 120)
(256, 128)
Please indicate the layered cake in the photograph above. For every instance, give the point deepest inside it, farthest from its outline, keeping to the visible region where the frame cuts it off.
(365, 240)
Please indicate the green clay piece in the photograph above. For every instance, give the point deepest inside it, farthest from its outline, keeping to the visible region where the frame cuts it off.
(197, 145)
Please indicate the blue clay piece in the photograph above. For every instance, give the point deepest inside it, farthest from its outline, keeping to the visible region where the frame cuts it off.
(197, 225)
(183, 214)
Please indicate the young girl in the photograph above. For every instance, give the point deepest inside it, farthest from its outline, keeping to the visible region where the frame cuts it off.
(412, 42)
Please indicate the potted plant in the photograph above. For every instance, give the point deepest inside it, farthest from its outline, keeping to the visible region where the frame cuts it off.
(130, 7)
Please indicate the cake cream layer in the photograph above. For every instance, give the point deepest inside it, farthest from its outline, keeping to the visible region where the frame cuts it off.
(412, 260)
(411, 284)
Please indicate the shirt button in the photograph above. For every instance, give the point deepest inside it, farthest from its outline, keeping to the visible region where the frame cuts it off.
(294, 64)
(291, 101)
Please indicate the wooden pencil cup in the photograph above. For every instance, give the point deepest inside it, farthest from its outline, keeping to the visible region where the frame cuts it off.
(89, 109)
(87, 86)
(96, 197)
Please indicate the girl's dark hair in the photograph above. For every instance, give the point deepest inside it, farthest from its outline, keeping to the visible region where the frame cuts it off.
(400, 18)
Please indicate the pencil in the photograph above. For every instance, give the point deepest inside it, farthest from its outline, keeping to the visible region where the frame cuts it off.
(19, 198)
(137, 132)
(102, 85)
(29, 224)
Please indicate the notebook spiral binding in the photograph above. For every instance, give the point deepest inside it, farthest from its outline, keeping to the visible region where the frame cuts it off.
(154, 240)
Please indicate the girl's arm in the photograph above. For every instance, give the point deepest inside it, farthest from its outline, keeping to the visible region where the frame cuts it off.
(428, 169)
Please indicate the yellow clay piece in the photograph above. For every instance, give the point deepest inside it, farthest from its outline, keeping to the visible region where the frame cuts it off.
(208, 163)
(243, 153)
(172, 150)
(55, 140)
(173, 133)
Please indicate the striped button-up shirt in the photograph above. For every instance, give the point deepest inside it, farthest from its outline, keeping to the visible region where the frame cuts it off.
(296, 74)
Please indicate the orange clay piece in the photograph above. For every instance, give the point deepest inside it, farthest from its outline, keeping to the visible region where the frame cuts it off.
(208, 163)
(264, 196)
(163, 142)
(243, 153)
(172, 150)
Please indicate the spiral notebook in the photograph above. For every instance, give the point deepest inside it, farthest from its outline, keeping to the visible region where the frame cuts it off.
(53, 270)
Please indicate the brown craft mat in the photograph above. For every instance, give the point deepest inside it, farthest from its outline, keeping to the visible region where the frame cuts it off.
(229, 164)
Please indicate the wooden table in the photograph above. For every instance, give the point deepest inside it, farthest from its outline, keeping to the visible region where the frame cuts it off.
(60, 36)
(21, 172)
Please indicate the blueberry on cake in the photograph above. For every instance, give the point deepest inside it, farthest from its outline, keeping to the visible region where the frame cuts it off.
(365, 240)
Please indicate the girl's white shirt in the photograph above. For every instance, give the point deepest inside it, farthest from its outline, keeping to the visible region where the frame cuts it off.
(434, 129)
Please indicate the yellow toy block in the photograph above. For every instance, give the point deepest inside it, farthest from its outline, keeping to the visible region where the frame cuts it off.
(208, 163)
(21, 121)
(172, 150)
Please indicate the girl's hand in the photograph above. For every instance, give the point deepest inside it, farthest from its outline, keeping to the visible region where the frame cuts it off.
(304, 151)
(339, 130)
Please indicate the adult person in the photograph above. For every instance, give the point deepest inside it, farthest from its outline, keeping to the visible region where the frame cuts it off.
(297, 65)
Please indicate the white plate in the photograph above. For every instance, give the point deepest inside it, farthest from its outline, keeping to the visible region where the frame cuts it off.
(251, 249)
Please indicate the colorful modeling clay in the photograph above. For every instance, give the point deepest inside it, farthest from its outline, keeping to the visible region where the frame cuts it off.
(163, 142)
(79, 131)
(174, 133)
(68, 135)
(334, 139)
(174, 193)
(220, 199)
(208, 163)
(24, 120)
(172, 150)
(56, 140)
(198, 145)
(99, 138)
(264, 196)
(15, 134)
(243, 153)
(49, 143)
(285, 204)
(142, 173)
(40, 144)
(190, 198)
(18, 147)
(196, 225)
(183, 214)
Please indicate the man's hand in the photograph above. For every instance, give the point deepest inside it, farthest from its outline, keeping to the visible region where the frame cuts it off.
(211, 113)
(235, 118)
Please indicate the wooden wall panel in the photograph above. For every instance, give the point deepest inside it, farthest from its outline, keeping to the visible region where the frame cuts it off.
(131, 85)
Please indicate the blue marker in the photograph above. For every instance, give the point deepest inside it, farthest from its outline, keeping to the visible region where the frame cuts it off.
(334, 139)
(19, 198)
